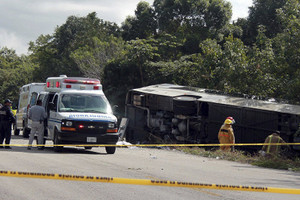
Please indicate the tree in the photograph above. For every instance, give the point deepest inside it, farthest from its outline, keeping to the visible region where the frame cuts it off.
(15, 71)
(264, 12)
(243, 23)
(141, 51)
(194, 15)
(142, 25)
(53, 53)
(45, 55)
(192, 20)
(91, 60)
(287, 50)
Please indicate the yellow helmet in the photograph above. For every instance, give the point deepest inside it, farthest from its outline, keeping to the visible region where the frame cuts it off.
(228, 121)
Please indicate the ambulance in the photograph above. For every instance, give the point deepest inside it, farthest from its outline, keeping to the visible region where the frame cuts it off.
(78, 113)
(27, 98)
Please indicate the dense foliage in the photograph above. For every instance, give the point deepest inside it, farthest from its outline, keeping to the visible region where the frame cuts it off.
(188, 42)
(15, 71)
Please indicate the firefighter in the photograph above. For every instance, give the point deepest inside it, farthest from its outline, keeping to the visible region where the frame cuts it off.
(231, 118)
(6, 119)
(226, 135)
(272, 150)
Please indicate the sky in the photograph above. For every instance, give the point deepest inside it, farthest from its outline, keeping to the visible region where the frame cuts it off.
(22, 21)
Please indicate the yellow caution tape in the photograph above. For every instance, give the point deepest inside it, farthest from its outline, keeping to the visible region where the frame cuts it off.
(156, 145)
(147, 182)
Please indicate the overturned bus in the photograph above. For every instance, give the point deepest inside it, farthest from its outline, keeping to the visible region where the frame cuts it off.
(178, 114)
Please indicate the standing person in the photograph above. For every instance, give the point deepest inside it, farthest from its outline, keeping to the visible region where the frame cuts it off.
(272, 150)
(6, 119)
(37, 114)
(226, 135)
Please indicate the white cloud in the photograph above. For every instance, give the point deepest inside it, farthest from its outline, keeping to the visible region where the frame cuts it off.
(12, 41)
(48, 7)
(23, 21)
(240, 8)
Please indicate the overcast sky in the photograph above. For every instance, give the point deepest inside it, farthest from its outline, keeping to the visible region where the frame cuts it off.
(22, 21)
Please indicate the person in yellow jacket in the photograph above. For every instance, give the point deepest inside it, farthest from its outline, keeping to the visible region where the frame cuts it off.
(226, 135)
(272, 150)
(13, 111)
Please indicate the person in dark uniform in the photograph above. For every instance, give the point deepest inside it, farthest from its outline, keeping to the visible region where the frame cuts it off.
(6, 119)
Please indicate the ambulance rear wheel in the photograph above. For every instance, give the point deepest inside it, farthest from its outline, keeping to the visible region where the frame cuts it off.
(16, 131)
(110, 150)
(26, 132)
(56, 142)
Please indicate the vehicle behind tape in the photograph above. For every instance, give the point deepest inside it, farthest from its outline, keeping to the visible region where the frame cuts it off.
(167, 113)
(27, 98)
(78, 113)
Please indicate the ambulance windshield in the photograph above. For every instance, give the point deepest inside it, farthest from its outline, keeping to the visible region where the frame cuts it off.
(84, 103)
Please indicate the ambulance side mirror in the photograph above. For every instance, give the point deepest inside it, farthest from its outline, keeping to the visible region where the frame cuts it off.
(115, 108)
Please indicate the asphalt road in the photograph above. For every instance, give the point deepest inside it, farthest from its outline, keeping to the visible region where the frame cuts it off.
(136, 163)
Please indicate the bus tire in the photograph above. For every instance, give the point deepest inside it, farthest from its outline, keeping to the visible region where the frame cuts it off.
(185, 105)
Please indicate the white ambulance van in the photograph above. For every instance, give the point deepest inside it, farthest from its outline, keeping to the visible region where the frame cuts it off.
(27, 98)
(78, 113)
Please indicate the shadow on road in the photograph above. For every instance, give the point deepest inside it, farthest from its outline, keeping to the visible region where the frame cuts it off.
(18, 137)
(21, 146)
(49, 150)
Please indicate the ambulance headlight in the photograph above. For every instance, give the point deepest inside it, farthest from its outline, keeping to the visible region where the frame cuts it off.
(111, 125)
(66, 123)
(69, 123)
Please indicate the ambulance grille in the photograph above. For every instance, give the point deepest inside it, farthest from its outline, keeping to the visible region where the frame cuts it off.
(91, 127)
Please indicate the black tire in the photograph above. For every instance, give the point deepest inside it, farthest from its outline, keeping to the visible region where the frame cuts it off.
(56, 141)
(26, 132)
(110, 150)
(16, 131)
(185, 105)
(88, 148)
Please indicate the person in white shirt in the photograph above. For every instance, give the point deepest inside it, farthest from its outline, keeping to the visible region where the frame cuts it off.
(37, 114)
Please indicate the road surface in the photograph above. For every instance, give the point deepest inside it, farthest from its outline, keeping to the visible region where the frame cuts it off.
(133, 163)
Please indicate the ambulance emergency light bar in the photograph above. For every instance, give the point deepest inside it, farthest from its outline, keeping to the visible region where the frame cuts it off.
(55, 84)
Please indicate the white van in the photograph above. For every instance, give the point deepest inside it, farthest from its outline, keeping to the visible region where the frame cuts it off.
(78, 113)
(27, 98)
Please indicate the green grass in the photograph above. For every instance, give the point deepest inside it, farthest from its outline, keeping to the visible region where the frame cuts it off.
(278, 162)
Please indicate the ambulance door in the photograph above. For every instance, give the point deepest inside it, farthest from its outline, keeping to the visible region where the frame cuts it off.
(27, 121)
(53, 120)
(23, 102)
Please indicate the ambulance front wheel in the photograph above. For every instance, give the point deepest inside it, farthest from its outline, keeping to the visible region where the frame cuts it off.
(110, 150)
(56, 142)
